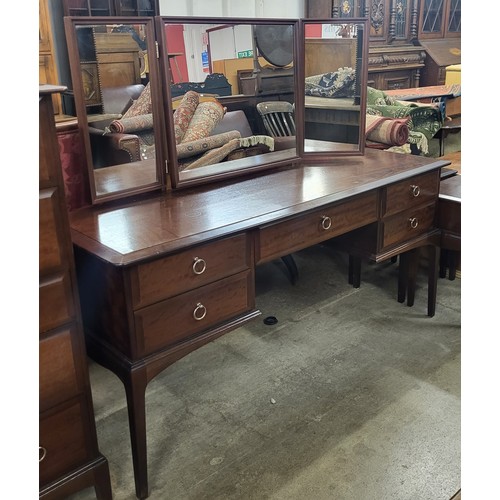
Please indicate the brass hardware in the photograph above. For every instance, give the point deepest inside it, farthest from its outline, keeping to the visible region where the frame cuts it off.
(200, 312)
(199, 266)
(415, 190)
(43, 452)
(413, 222)
(326, 222)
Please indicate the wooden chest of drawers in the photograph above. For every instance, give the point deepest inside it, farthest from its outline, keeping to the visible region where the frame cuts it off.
(69, 458)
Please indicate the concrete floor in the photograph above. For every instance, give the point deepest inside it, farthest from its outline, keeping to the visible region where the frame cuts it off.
(350, 396)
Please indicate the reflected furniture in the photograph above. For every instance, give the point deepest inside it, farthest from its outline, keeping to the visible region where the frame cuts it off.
(162, 277)
(111, 7)
(69, 458)
(277, 117)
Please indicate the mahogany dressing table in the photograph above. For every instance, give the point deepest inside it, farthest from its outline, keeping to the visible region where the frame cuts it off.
(161, 276)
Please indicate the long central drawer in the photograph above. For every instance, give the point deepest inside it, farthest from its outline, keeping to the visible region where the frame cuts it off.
(317, 226)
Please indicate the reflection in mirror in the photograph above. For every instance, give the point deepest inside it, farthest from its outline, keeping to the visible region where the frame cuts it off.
(335, 73)
(115, 91)
(223, 77)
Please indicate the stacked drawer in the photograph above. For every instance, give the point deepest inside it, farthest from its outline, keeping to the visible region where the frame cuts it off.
(68, 445)
(178, 296)
(151, 306)
(408, 209)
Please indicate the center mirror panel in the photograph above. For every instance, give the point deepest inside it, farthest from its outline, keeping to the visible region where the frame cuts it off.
(230, 87)
(117, 95)
(333, 81)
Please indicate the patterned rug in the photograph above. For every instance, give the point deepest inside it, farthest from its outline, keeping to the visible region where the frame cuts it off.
(454, 90)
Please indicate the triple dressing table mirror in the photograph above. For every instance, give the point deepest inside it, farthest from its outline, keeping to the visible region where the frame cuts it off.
(333, 80)
(219, 133)
(183, 101)
(117, 94)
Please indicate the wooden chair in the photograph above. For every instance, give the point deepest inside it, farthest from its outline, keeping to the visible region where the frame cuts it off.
(279, 122)
(278, 118)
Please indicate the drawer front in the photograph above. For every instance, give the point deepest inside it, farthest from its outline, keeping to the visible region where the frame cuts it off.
(50, 228)
(315, 227)
(168, 322)
(175, 274)
(62, 443)
(410, 193)
(58, 379)
(55, 302)
(407, 225)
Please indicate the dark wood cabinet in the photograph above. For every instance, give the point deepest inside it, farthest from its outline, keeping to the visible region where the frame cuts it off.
(411, 41)
(111, 7)
(69, 459)
(440, 19)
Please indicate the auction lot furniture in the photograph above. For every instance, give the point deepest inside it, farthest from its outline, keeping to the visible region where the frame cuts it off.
(161, 276)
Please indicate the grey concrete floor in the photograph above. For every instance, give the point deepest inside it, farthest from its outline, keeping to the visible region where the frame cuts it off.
(350, 396)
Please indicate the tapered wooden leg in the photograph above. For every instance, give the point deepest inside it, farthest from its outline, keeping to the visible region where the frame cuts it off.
(432, 280)
(454, 259)
(135, 389)
(102, 484)
(414, 257)
(403, 276)
(443, 263)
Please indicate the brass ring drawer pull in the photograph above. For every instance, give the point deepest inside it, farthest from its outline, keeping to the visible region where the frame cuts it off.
(413, 222)
(326, 222)
(199, 266)
(42, 452)
(200, 312)
(415, 190)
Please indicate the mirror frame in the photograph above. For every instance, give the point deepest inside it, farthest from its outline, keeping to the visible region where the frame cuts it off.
(71, 23)
(325, 155)
(218, 172)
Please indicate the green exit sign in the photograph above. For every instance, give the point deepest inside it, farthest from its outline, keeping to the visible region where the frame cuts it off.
(245, 53)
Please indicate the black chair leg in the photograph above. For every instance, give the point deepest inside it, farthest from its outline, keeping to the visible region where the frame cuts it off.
(354, 276)
(291, 267)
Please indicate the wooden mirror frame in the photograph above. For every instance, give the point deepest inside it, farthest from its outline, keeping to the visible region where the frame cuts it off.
(228, 169)
(323, 150)
(121, 180)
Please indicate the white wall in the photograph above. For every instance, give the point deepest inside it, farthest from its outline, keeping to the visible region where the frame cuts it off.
(234, 8)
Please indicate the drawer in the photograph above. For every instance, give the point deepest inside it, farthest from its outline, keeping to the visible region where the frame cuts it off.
(418, 190)
(168, 322)
(178, 273)
(407, 225)
(62, 443)
(55, 302)
(58, 379)
(51, 249)
(314, 227)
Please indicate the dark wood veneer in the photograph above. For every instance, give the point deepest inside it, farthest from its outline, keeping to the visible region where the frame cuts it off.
(135, 259)
(69, 456)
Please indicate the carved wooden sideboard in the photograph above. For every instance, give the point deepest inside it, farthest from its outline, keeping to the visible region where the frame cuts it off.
(69, 456)
(401, 36)
(161, 276)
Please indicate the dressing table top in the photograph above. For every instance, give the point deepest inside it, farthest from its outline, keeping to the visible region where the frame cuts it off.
(139, 229)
